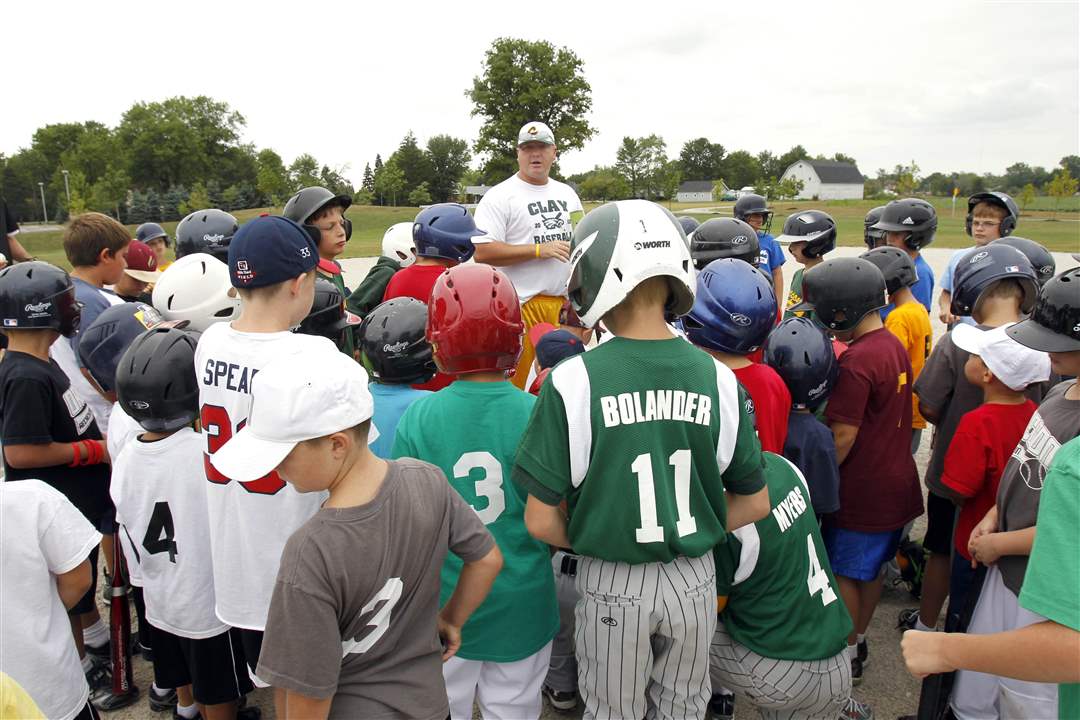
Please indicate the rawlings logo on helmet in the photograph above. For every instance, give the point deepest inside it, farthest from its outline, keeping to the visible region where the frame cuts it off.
(815, 391)
(38, 307)
(395, 348)
(740, 319)
(740, 240)
(978, 256)
(213, 238)
(139, 404)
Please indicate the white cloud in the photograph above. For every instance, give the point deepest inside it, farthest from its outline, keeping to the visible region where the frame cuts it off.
(965, 85)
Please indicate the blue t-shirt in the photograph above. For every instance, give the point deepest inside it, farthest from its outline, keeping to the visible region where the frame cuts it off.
(771, 256)
(94, 301)
(391, 402)
(810, 447)
(947, 279)
(923, 289)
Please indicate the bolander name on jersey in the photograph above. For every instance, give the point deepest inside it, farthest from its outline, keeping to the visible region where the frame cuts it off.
(644, 406)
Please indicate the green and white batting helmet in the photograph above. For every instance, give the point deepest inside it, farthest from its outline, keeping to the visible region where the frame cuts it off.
(619, 245)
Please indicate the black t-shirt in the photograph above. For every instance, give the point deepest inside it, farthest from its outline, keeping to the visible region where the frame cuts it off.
(7, 227)
(37, 405)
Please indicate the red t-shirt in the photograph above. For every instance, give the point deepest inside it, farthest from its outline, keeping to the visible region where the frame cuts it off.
(879, 483)
(772, 403)
(416, 281)
(980, 448)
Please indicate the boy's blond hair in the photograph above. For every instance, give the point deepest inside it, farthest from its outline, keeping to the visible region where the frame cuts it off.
(1003, 289)
(989, 209)
(90, 233)
(648, 294)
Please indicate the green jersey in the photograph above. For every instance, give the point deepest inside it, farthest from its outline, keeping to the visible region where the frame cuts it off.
(1053, 574)
(348, 345)
(470, 430)
(795, 296)
(783, 601)
(641, 437)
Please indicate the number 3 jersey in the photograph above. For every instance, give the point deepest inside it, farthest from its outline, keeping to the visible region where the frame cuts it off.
(250, 521)
(470, 430)
(160, 500)
(642, 437)
(783, 600)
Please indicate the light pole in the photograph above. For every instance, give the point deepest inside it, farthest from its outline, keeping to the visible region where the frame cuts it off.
(67, 190)
(41, 187)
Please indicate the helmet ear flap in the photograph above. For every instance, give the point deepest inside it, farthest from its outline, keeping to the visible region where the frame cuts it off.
(348, 228)
(314, 233)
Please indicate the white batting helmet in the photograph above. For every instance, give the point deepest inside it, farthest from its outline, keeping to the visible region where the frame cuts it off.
(397, 244)
(197, 288)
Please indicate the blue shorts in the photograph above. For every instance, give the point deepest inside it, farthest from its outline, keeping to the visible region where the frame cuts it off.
(859, 555)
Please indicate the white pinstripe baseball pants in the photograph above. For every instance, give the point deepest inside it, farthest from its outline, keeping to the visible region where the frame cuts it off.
(781, 689)
(642, 635)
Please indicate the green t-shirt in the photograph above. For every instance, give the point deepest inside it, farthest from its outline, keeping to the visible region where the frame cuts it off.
(641, 437)
(795, 297)
(349, 343)
(470, 430)
(783, 601)
(1052, 582)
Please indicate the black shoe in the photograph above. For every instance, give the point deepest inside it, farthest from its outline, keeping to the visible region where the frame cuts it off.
(862, 651)
(561, 700)
(856, 671)
(244, 713)
(98, 677)
(101, 652)
(166, 700)
(907, 619)
(722, 707)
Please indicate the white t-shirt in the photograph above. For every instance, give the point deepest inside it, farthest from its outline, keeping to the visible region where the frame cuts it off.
(42, 535)
(249, 523)
(519, 213)
(158, 489)
(122, 429)
(64, 355)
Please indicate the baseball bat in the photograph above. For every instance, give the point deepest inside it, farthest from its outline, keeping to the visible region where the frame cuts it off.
(123, 684)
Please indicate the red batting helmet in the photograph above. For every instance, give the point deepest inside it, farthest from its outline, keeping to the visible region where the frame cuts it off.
(474, 321)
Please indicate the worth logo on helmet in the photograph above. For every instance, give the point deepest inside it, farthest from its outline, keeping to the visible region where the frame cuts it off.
(651, 244)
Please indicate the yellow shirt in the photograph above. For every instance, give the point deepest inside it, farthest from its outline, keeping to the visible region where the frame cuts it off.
(910, 323)
(15, 704)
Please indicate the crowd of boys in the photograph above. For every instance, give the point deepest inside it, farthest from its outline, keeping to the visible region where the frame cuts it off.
(692, 506)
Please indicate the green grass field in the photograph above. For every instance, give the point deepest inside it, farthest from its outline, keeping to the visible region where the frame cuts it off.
(1061, 233)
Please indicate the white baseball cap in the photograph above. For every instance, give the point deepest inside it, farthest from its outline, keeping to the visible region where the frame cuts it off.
(296, 397)
(535, 132)
(1012, 363)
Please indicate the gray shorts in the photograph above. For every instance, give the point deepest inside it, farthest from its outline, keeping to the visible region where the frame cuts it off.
(781, 689)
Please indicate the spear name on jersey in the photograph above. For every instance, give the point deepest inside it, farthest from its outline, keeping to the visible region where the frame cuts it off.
(228, 375)
(630, 408)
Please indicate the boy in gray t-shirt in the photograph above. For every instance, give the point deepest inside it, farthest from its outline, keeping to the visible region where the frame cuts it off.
(354, 627)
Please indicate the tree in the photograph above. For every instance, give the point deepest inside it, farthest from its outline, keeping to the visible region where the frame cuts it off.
(304, 172)
(907, 179)
(701, 159)
(198, 199)
(171, 201)
(603, 184)
(1061, 186)
(1026, 196)
(420, 195)
(412, 161)
(1072, 164)
(741, 169)
(841, 157)
(364, 196)
(334, 180)
(781, 189)
(449, 159)
(389, 181)
(668, 176)
(368, 183)
(1018, 175)
(110, 191)
(775, 166)
(640, 161)
(271, 178)
(523, 81)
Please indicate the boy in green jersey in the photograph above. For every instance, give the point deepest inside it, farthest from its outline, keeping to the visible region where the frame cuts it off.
(651, 443)
(782, 635)
(470, 429)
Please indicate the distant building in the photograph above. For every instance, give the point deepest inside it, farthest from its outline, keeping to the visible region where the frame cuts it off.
(695, 191)
(826, 180)
(473, 193)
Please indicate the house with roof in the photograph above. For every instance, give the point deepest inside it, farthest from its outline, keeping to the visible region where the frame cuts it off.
(695, 191)
(826, 180)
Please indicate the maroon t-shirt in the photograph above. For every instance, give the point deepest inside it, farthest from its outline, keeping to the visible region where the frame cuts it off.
(772, 403)
(879, 484)
(416, 281)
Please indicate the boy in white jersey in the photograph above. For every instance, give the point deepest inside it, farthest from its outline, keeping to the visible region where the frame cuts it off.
(157, 487)
(272, 264)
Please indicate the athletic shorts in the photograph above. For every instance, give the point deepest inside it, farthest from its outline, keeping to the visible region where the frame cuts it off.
(213, 666)
(88, 601)
(107, 525)
(859, 555)
(252, 642)
(940, 521)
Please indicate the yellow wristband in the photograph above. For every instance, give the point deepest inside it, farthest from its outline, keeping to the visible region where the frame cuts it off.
(537, 249)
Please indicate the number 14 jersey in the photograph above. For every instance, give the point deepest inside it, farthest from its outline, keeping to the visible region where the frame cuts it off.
(160, 500)
(250, 521)
(642, 437)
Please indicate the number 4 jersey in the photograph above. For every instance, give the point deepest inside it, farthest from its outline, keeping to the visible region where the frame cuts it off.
(158, 490)
(783, 601)
(642, 437)
(250, 521)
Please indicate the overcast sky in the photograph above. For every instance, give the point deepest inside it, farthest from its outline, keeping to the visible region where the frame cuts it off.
(952, 85)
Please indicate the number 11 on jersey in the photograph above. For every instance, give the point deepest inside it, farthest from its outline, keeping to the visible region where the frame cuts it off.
(651, 530)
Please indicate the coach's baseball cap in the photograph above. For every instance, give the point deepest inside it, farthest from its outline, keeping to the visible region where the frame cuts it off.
(141, 262)
(535, 132)
(553, 345)
(268, 250)
(298, 396)
(1012, 363)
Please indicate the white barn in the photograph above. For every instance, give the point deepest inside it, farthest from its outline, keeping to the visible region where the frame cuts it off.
(826, 180)
(695, 191)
